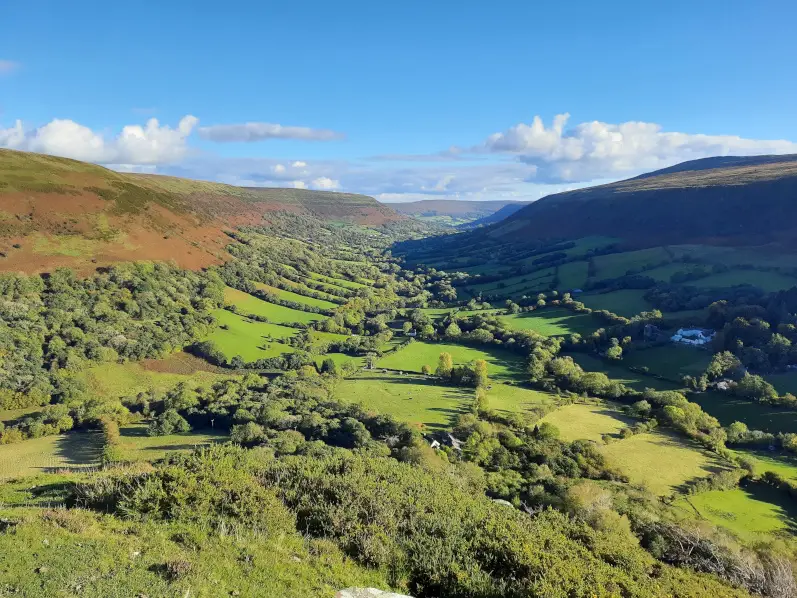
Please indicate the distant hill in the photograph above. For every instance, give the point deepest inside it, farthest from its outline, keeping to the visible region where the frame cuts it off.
(725, 201)
(55, 211)
(452, 212)
(496, 216)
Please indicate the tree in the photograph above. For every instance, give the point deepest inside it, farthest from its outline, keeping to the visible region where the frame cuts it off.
(247, 434)
(480, 404)
(452, 330)
(445, 364)
(168, 422)
(480, 378)
(426, 370)
(328, 366)
(406, 327)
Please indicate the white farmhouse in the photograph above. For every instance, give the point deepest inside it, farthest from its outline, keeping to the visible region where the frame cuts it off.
(693, 336)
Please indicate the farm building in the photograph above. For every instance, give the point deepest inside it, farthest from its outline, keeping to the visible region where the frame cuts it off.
(693, 336)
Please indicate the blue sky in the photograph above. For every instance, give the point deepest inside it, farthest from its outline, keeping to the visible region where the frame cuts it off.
(371, 97)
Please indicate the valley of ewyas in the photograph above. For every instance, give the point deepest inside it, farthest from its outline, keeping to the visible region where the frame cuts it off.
(398, 300)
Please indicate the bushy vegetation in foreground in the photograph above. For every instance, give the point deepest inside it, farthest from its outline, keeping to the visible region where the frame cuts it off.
(430, 533)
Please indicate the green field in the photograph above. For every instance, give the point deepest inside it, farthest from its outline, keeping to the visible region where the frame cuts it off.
(9, 415)
(782, 464)
(248, 338)
(664, 273)
(736, 256)
(514, 285)
(750, 512)
(328, 286)
(614, 265)
(671, 361)
(301, 286)
(227, 318)
(135, 445)
(275, 313)
(424, 402)
(552, 322)
(694, 317)
(626, 302)
(620, 373)
(573, 275)
(342, 283)
(587, 422)
(502, 365)
(767, 281)
(784, 383)
(728, 409)
(440, 312)
(585, 244)
(339, 359)
(660, 461)
(296, 297)
(114, 380)
(74, 451)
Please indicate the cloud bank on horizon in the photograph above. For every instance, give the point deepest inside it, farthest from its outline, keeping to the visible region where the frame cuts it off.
(525, 161)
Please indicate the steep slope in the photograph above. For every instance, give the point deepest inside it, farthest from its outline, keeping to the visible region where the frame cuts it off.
(56, 212)
(725, 201)
(452, 212)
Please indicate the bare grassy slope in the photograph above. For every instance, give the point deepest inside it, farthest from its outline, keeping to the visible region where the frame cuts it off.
(66, 212)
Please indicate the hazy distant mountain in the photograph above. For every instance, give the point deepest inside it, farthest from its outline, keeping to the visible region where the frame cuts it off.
(496, 216)
(453, 212)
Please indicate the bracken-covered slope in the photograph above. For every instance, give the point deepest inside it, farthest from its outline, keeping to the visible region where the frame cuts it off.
(726, 200)
(59, 212)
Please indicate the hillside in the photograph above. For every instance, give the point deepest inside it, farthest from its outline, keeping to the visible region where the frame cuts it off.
(452, 212)
(60, 212)
(723, 201)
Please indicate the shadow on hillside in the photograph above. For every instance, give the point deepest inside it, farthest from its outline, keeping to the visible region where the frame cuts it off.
(133, 432)
(78, 450)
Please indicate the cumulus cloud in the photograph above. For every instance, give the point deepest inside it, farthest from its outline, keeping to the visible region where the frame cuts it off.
(299, 185)
(279, 168)
(8, 66)
(259, 131)
(299, 164)
(601, 150)
(325, 183)
(151, 144)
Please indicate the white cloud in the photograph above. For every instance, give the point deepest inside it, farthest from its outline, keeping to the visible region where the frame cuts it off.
(299, 185)
(150, 144)
(601, 150)
(12, 137)
(258, 131)
(279, 168)
(299, 164)
(8, 66)
(325, 183)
